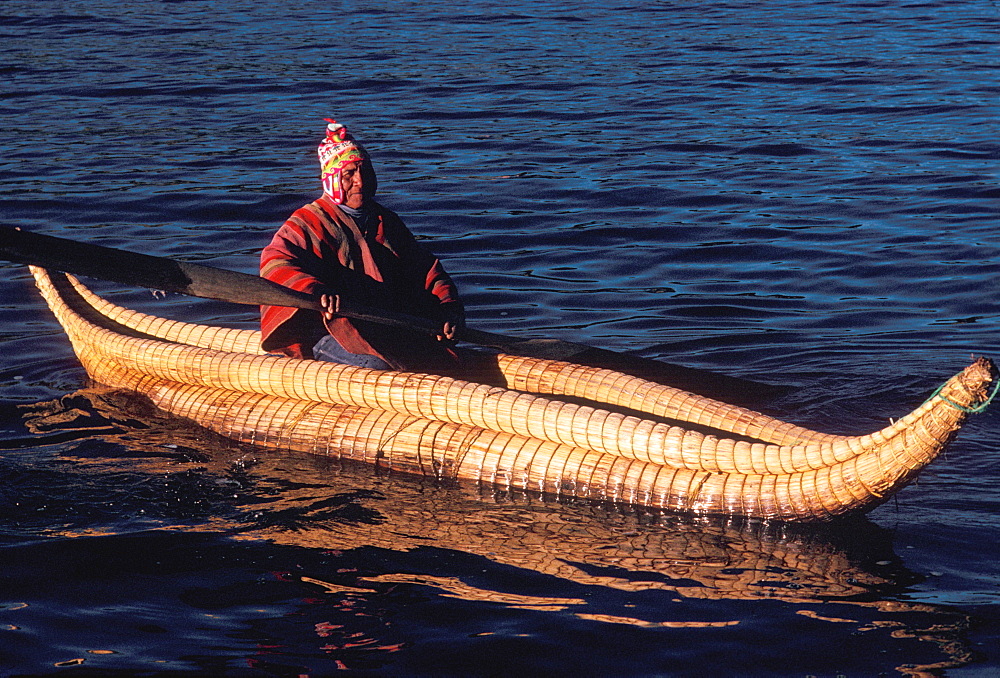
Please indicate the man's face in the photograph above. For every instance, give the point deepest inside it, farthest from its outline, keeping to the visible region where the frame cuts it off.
(352, 185)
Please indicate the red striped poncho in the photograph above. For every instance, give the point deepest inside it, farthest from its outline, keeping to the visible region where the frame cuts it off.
(320, 249)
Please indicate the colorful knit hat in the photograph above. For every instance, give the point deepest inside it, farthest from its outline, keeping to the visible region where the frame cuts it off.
(336, 151)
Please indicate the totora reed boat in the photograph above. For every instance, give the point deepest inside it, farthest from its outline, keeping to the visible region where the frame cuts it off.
(522, 436)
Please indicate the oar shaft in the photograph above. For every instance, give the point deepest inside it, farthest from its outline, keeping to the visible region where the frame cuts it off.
(142, 270)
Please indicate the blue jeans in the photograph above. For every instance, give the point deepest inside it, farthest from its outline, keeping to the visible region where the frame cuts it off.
(329, 350)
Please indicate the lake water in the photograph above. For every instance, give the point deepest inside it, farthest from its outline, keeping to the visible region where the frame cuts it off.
(803, 193)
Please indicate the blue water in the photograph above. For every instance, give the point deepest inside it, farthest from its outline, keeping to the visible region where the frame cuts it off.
(796, 192)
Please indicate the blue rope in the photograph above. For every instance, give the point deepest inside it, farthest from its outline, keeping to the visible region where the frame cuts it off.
(962, 408)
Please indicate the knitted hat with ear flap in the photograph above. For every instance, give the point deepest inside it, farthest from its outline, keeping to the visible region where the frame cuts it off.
(336, 151)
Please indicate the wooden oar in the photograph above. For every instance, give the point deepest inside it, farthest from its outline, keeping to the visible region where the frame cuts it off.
(159, 273)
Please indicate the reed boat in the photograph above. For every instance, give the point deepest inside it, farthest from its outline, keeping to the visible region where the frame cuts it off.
(530, 434)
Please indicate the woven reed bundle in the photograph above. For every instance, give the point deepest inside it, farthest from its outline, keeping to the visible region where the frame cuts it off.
(555, 377)
(533, 375)
(425, 424)
(204, 336)
(450, 451)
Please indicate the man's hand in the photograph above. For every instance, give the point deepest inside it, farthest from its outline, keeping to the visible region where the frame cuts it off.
(452, 326)
(330, 304)
(448, 331)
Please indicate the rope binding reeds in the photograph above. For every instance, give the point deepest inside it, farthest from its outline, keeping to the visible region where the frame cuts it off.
(978, 409)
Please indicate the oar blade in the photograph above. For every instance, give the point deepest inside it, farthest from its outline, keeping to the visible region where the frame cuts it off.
(143, 270)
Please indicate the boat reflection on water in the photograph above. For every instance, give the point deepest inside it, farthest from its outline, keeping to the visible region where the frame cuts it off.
(599, 564)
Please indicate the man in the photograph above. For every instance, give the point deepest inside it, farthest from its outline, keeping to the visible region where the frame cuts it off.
(346, 245)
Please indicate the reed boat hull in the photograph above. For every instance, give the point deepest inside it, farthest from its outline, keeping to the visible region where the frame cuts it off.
(520, 436)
